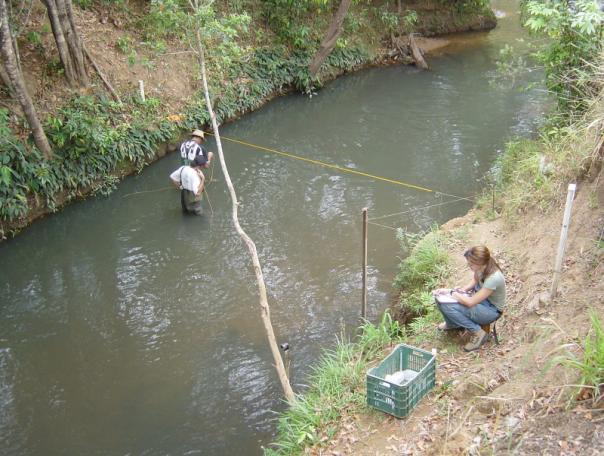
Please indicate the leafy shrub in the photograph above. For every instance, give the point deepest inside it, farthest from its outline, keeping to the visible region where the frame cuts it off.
(427, 264)
(165, 19)
(575, 32)
(90, 137)
(292, 21)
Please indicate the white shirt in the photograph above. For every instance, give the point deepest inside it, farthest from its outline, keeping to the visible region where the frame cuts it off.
(187, 177)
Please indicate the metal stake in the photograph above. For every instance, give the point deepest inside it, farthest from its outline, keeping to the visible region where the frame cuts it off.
(364, 299)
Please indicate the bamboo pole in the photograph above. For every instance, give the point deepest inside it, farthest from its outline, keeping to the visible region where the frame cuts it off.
(563, 236)
(364, 298)
(265, 310)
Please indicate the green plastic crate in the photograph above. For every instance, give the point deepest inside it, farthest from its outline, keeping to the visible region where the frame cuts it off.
(399, 400)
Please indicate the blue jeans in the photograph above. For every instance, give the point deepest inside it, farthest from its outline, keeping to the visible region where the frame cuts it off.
(471, 318)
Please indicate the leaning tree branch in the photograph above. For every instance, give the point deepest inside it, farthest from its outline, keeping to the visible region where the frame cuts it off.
(101, 75)
(330, 39)
(416, 52)
(265, 310)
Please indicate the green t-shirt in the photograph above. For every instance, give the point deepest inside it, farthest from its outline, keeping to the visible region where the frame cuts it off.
(495, 282)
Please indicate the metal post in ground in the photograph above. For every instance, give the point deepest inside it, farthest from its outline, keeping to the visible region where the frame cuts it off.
(563, 235)
(493, 199)
(364, 299)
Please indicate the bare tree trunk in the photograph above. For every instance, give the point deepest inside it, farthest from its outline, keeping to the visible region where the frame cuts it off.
(18, 85)
(57, 31)
(68, 41)
(265, 310)
(330, 39)
(5, 79)
(14, 37)
(73, 40)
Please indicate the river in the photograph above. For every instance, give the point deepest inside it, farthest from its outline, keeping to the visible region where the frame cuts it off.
(129, 329)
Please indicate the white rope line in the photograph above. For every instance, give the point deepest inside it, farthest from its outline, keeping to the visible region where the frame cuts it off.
(469, 198)
(419, 208)
(382, 226)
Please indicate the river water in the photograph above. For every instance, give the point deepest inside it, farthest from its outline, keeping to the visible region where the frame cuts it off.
(128, 328)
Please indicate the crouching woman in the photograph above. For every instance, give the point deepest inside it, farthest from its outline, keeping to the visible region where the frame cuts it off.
(480, 302)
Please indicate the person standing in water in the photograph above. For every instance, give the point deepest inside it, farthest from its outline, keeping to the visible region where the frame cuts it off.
(189, 179)
(480, 302)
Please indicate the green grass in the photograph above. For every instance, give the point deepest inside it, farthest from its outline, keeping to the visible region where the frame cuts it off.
(426, 267)
(589, 363)
(534, 173)
(337, 388)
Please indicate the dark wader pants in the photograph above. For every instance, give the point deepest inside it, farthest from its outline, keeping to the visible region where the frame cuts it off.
(190, 202)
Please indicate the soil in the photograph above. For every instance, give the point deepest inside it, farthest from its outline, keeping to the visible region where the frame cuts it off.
(509, 398)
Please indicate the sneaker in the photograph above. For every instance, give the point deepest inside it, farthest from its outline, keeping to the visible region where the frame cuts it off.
(478, 340)
(443, 327)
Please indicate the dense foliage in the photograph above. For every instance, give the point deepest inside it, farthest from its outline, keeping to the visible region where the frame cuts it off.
(90, 138)
(575, 32)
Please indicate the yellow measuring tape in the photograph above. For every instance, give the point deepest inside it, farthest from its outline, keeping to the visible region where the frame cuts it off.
(327, 165)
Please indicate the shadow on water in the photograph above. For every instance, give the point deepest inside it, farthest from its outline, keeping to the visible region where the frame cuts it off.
(128, 328)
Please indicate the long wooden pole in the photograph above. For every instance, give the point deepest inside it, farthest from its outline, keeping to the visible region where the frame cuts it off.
(364, 299)
(563, 236)
(265, 310)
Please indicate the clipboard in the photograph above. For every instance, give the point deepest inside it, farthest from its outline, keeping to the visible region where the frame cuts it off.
(445, 299)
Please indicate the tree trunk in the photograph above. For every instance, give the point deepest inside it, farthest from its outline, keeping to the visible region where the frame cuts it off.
(74, 41)
(68, 41)
(330, 39)
(264, 307)
(6, 79)
(18, 85)
(417, 54)
(57, 31)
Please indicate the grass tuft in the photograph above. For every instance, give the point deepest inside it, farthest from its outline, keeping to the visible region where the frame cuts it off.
(424, 269)
(338, 387)
(589, 363)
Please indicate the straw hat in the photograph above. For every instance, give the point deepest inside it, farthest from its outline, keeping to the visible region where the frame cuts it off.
(198, 133)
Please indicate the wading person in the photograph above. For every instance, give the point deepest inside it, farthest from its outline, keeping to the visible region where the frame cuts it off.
(190, 181)
(193, 148)
(480, 302)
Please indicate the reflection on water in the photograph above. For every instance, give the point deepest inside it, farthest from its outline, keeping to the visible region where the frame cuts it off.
(127, 328)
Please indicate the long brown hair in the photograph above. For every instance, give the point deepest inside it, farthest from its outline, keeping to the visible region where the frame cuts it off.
(480, 255)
